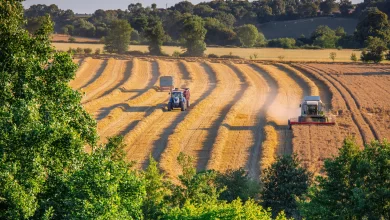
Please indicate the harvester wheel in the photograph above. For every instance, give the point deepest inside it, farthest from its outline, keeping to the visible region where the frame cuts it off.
(169, 106)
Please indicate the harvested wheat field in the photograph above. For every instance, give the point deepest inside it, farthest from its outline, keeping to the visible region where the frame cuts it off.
(239, 111)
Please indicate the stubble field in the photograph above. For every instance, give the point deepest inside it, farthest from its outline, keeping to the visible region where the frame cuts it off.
(262, 53)
(239, 111)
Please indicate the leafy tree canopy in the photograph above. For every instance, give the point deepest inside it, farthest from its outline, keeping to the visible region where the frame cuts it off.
(356, 185)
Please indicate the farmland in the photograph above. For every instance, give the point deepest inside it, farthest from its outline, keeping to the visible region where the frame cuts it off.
(262, 53)
(239, 111)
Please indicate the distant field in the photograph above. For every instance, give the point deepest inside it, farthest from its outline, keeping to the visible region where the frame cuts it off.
(263, 53)
(64, 37)
(296, 28)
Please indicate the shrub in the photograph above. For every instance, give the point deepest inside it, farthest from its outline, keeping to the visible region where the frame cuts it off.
(339, 48)
(388, 56)
(281, 57)
(79, 50)
(332, 56)
(97, 51)
(310, 47)
(87, 50)
(71, 50)
(213, 56)
(354, 57)
(374, 51)
(255, 55)
(176, 54)
(135, 53)
(230, 56)
(287, 43)
(72, 39)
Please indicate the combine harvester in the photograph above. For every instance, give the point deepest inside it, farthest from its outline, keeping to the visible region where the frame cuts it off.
(312, 113)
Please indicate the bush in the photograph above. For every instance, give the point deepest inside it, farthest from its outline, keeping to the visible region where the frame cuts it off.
(230, 56)
(374, 51)
(339, 48)
(87, 50)
(97, 51)
(72, 39)
(388, 56)
(79, 50)
(354, 57)
(310, 47)
(71, 50)
(213, 56)
(176, 54)
(135, 53)
(287, 43)
(332, 56)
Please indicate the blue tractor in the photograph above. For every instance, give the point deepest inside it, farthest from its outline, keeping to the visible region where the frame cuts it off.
(177, 100)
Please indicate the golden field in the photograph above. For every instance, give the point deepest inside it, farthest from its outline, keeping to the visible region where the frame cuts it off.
(262, 53)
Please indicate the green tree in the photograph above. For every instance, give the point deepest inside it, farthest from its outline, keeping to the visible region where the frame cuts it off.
(324, 37)
(103, 187)
(248, 35)
(373, 23)
(194, 34)
(356, 185)
(238, 184)
(340, 32)
(155, 34)
(157, 190)
(118, 39)
(283, 182)
(374, 51)
(328, 6)
(345, 6)
(43, 126)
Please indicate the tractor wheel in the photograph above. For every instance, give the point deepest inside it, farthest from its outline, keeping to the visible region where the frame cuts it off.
(182, 106)
(169, 106)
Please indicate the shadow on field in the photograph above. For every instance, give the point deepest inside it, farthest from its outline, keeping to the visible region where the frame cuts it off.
(126, 76)
(97, 74)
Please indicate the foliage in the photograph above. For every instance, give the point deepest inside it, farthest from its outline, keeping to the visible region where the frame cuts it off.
(333, 56)
(194, 34)
(118, 39)
(283, 182)
(248, 35)
(373, 23)
(97, 51)
(43, 126)
(287, 43)
(102, 187)
(72, 40)
(87, 50)
(212, 56)
(354, 57)
(374, 51)
(356, 185)
(238, 185)
(324, 37)
(388, 55)
(328, 6)
(155, 34)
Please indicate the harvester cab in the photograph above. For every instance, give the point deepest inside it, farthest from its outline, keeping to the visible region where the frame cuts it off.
(312, 113)
(177, 100)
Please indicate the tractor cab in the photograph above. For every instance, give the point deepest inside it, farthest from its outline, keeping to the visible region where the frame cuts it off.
(312, 106)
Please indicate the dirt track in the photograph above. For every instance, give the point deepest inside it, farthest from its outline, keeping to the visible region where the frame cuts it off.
(231, 104)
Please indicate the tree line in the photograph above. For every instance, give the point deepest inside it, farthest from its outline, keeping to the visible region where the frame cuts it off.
(221, 16)
(45, 172)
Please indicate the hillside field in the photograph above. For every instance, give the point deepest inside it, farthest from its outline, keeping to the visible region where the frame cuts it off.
(239, 111)
(295, 28)
(263, 53)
